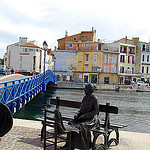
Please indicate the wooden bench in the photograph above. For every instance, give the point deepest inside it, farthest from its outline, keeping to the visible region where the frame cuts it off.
(105, 128)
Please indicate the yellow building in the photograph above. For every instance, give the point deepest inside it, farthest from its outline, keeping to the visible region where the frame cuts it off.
(88, 66)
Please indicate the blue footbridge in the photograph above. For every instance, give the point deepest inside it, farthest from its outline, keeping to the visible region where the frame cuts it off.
(16, 93)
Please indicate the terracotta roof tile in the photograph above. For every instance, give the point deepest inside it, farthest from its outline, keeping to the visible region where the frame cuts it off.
(29, 45)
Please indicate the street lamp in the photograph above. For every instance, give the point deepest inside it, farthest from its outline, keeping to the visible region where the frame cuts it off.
(54, 66)
(44, 47)
(99, 70)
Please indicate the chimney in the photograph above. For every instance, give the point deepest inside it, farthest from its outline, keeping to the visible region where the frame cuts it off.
(55, 48)
(92, 29)
(99, 40)
(66, 33)
(126, 39)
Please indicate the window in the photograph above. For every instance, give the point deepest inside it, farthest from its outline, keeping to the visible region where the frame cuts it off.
(142, 69)
(128, 70)
(25, 50)
(86, 45)
(85, 38)
(94, 69)
(34, 59)
(86, 57)
(147, 58)
(95, 57)
(120, 49)
(105, 68)
(113, 59)
(74, 38)
(106, 58)
(86, 67)
(132, 59)
(69, 45)
(20, 58)
(147, 48)
(143, 58)
(130, 52)
(147, 70)
(20, 66)
(122, 58)
(106, 80)
(121, 69)
(143, 47)
(132, 70)
(99, 46)
(125, 50)
(113, 69)
(128, 59)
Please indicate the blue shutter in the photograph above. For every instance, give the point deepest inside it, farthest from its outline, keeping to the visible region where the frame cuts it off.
(68, 45)
(97, 46)
(147, 58)
(147, 48)
(142, 69)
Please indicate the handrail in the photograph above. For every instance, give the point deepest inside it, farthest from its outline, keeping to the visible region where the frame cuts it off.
(13, 90)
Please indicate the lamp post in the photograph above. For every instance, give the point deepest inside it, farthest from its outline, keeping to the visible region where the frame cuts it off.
(99, 70)
(44, 47)
(54, 66)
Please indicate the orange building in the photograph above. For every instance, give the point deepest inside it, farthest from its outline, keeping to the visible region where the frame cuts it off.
(86, 40)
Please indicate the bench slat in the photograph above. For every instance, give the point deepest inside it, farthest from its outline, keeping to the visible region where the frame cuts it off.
(66, 103)
(74, 104)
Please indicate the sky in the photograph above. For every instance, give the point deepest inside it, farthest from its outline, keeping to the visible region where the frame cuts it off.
(47, 20)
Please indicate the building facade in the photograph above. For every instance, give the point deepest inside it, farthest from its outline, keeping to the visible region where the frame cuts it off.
(27, 58)
(66, 65)
(142, 63)
(89, 63)
(109, 67)
(71, 42)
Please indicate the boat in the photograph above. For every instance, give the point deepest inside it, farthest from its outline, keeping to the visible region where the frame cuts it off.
(143, 89)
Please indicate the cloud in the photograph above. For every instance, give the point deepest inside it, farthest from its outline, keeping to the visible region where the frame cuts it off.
(48, 19)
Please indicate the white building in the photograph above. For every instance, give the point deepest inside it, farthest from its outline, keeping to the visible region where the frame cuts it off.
(28, 58)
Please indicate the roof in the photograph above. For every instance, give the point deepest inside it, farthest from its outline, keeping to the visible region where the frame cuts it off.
(29, 45)
(76, 34)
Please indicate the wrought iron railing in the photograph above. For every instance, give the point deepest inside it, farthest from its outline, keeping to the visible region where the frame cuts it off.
(20, 90)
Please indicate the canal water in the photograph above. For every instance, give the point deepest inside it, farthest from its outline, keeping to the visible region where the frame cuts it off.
(134, 107)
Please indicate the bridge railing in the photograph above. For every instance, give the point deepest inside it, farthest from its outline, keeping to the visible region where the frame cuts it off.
(22, 89)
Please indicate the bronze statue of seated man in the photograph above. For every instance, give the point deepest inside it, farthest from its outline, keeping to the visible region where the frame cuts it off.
(84, 121)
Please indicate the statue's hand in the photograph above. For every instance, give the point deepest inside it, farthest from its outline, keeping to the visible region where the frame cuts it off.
(75, 117)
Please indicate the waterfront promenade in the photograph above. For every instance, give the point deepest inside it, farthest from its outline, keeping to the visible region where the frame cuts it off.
(25, 136)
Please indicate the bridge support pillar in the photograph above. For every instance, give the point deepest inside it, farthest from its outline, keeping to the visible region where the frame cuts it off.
(23, 100)
(44, 87)
(18, 103)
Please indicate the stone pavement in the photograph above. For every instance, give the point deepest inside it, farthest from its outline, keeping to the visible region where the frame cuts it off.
(25, 136)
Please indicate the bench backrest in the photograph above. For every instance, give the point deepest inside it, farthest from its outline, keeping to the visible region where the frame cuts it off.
(73, 104)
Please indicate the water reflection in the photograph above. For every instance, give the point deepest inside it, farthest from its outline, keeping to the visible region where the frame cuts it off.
(134, 107)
